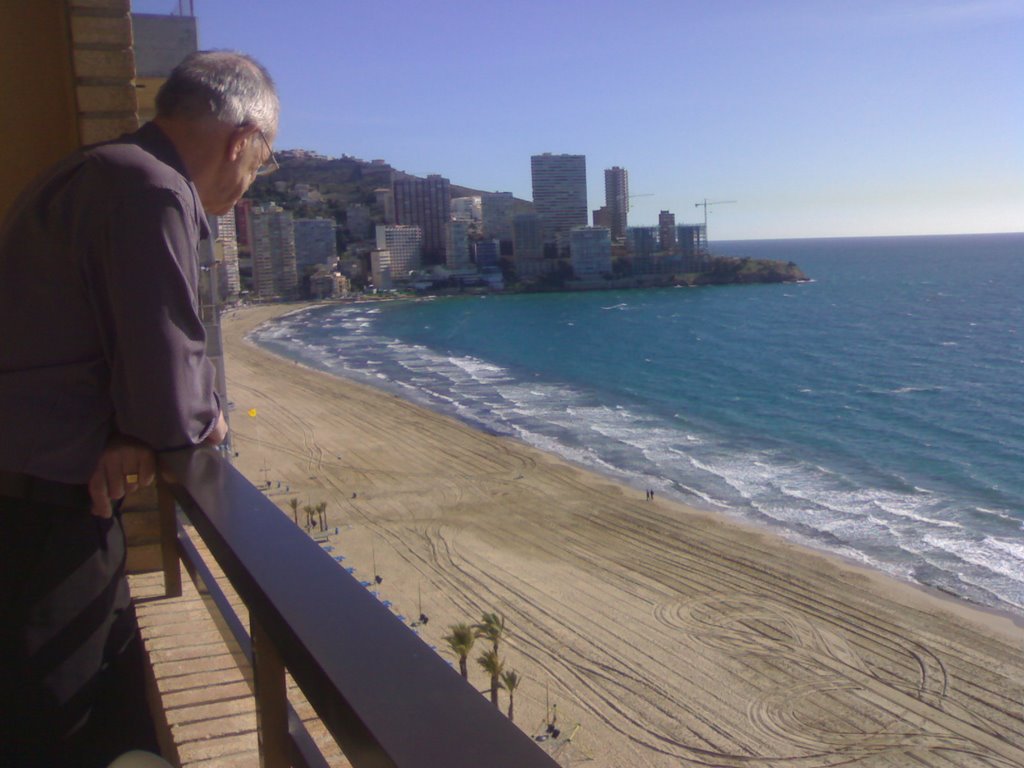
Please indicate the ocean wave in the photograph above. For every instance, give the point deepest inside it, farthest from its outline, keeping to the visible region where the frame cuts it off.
(577, 454)
(1004, 558)
(900, 570)
(905, 390)
(480, 370)
(708, 500)
(984, 589)
(911, 509)
(1002, 514)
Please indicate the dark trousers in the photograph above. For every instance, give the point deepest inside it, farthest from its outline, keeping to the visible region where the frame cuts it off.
(72, 674)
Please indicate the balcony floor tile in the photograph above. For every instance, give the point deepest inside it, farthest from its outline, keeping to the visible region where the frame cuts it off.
(204, 688)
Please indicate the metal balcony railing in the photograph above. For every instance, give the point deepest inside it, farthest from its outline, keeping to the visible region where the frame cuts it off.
(383, 694)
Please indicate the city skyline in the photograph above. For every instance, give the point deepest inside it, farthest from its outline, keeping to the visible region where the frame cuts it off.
(819, 119)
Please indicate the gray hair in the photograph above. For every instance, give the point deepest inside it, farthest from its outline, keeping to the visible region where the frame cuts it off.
(227, 86)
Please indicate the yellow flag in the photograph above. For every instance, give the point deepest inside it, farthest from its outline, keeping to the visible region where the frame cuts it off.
(252, 412)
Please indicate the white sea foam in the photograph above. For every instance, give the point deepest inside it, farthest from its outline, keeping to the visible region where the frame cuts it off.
(909, 508)
(997, 590)
(902, 571)
(997, 556)
(579, 455)
(910, 390)
(1000, 513)
(707, 498)
(1013, 550)
(480, 370)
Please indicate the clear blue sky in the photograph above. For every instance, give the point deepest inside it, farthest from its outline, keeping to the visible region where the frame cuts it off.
(819, 117)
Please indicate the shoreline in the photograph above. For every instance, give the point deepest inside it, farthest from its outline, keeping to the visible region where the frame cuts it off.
(525, 524)
(943, 596)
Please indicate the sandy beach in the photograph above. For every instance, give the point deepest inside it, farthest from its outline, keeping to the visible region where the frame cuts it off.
(665, 636)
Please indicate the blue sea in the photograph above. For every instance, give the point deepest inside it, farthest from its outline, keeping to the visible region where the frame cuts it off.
(876, 412)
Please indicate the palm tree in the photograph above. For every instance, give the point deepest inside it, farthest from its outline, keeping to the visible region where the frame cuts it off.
(310, 511)
(460, 639)
(321, 510)
(494, 667)
(294, 503)
(510, 680)
(491, 627)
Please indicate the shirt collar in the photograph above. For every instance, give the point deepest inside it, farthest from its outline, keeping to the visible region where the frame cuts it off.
(151, 138)
(155, 141)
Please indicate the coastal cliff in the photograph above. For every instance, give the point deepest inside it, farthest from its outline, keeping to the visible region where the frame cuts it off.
(719, 270)
(728, 270)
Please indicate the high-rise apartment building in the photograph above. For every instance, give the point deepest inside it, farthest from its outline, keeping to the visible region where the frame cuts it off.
(457, 256)
(528, 245)
(496, 208)
(380, 269)
(692, 241)
(643, 241)
(643, 245)
(667, 231)
(225, 254)
(527, 237)
(616, 200)
(243, 236)
(487, 253)
(403, 243)
(467, 208)
(385, 197)
(559, 194)
(426, 203)
(273, 252)
(591, 251)
(315, 244)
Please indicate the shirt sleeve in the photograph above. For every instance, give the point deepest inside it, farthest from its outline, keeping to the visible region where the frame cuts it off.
(146, 283)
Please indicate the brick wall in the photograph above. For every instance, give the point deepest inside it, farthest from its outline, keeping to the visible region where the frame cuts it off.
(104, 68)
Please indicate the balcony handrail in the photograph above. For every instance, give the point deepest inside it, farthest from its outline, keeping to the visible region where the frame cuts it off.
(302, 749)
(383, 694)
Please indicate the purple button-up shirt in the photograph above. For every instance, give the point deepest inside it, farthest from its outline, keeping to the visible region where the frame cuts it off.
(99, 324)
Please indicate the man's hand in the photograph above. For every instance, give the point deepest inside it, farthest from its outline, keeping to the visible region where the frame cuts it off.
(125, 465)
(219, 431)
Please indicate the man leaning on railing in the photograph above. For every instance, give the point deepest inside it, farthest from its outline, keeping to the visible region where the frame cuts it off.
(102, 361)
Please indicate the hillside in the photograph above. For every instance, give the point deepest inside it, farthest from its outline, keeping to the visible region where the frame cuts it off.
(341, 181)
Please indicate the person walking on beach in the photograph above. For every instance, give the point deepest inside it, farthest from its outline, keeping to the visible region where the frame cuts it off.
(102, 363)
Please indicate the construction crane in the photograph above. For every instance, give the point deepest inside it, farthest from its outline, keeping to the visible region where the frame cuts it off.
(705, 203)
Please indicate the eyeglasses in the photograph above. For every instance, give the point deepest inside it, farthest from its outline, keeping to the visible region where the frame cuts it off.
(270, 164)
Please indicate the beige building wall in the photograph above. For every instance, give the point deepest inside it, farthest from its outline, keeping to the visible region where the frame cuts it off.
(68, 66)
